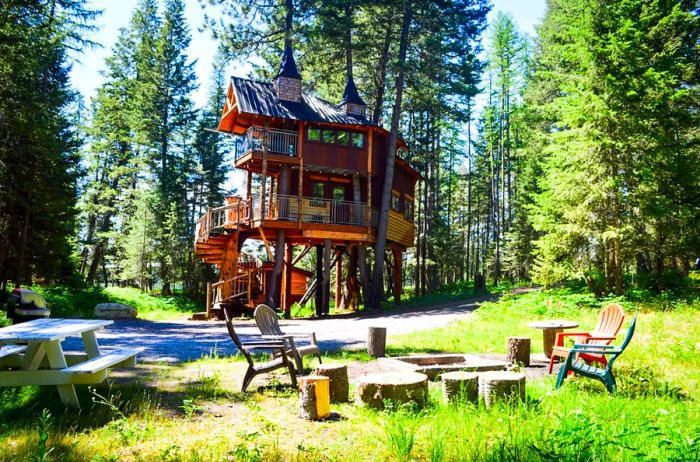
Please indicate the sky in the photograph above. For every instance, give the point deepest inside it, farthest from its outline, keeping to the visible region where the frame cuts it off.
(86, 78)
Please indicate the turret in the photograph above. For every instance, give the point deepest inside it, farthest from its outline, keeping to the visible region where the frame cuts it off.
(351, 102)
(287, 84)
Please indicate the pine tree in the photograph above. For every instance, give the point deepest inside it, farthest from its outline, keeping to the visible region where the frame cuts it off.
(38, 147)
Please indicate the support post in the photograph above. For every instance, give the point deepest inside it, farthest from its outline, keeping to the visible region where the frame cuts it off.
(263, 180)
(326, 275)
(208, 300)
(398, 286)
(287, 282)
(275, 289)
(319, 280)
(338, 277)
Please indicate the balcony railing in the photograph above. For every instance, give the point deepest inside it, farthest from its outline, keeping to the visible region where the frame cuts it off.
(284, 208)
(215, 220)
(311, 210)
(278, 142)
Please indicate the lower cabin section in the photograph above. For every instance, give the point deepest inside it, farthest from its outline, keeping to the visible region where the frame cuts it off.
(245, 281)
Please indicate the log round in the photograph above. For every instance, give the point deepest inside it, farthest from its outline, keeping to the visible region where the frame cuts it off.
(314, 403)
(501, 386)
(519, 350)
(460, 386)
(338, 376)
(376, 341)
(399, 388)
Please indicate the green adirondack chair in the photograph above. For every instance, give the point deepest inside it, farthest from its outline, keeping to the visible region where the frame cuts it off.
(579, 367)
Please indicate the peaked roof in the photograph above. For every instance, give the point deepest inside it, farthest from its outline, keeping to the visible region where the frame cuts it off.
(350, 94)
(260, 98)
(288, 67)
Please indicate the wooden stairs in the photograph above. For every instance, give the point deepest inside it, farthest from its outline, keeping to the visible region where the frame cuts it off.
(219, 236)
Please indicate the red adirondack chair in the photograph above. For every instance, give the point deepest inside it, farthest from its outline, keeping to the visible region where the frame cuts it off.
(609, 322)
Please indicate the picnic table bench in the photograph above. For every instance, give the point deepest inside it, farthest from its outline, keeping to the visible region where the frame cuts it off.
(31, 354)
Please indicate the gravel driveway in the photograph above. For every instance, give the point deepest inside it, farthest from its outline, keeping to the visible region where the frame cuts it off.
(175, 341)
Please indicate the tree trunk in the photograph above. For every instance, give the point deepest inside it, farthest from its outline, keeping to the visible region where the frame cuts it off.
(376, 290)
(283, 189)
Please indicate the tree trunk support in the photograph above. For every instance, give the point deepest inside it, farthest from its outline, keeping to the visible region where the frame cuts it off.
(398, 286)
(319, 280)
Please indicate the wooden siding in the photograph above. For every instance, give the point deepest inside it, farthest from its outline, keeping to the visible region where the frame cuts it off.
(334, 156)
(403, 182)
(399, 229)
(299, 282)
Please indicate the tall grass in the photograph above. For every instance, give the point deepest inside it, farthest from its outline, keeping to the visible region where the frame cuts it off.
(67, 301)
(195, 411)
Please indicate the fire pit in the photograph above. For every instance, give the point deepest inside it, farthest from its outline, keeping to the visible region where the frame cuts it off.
(433, 365)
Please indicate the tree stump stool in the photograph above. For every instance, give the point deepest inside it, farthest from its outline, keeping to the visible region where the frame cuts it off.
(376, 341)
(314, 397)
(338, 375)
(501, 385)
(396, 387)
(460, 386)
(519, 350)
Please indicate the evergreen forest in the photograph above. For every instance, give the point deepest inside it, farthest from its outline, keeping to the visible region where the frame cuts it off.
(566, 156)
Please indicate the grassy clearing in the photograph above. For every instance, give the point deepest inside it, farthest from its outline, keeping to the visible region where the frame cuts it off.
(66, 301)
(194, 411)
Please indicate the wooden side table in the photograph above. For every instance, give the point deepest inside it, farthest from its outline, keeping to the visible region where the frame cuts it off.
(550, 328)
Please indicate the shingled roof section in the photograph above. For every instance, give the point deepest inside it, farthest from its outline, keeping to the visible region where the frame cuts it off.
(260, 98)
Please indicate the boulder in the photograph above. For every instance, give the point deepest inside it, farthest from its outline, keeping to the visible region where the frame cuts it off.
(115, 311)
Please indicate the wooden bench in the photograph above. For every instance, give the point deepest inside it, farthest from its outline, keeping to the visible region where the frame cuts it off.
(89, 372)
(124, 357)
(11, 350)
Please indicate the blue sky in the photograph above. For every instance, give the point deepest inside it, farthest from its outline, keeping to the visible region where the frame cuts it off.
(86, 76)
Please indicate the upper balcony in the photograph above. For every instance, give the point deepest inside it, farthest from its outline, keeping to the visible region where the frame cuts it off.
(282, 146)
(283, 211)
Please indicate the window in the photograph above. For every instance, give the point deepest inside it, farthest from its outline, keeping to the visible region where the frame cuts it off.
(314, 134)
(318, 190)
(331, 136)
(328, 136)
(408, 209)
(358, 140)
(395, 200)
(338, 193)
(343, 138)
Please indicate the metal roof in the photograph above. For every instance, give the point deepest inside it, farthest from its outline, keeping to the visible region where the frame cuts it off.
(260, 98)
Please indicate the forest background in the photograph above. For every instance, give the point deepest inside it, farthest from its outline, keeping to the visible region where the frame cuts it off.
(571, 155)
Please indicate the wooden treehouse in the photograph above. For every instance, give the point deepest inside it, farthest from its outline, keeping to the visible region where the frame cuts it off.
(315, 176)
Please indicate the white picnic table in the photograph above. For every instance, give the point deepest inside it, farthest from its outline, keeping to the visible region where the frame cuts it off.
(31, 354)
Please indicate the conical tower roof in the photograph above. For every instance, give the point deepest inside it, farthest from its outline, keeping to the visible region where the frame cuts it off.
(288, 67)
(350, 94)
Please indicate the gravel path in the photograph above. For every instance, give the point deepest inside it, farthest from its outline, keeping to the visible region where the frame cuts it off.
(175, 341)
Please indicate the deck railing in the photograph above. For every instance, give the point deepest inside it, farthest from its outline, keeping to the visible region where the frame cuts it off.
(284, 208)
(278, 142)
(328, 211)
(236, 212)
(242, 285)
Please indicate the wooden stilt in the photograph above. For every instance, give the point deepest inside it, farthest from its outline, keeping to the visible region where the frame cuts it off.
(353, 285)
(338, 278)
(263, 179)
(398, 282)
(209, 300)
(326, 275)
(319, 279)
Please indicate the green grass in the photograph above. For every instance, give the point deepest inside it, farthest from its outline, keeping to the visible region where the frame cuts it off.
(195, 412)
(66, 301)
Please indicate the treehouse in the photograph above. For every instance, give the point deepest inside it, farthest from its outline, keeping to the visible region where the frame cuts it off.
(315, 175)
